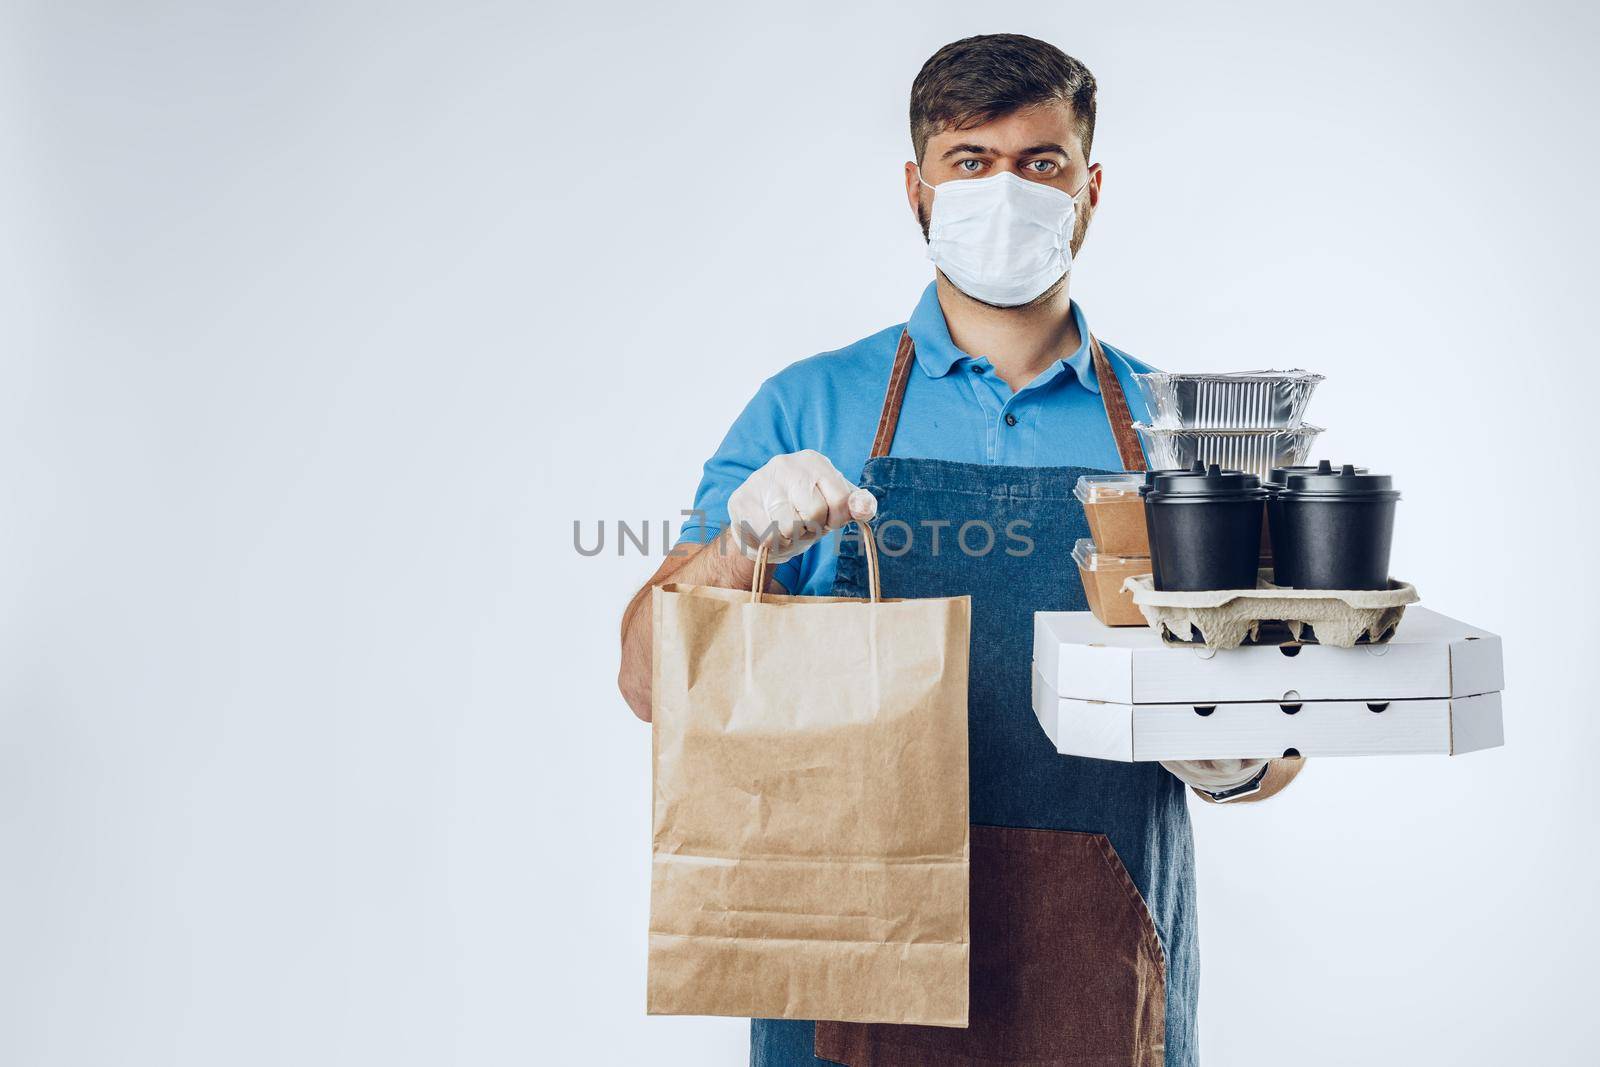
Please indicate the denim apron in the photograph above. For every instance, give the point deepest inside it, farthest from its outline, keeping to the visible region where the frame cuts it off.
(1083, 904)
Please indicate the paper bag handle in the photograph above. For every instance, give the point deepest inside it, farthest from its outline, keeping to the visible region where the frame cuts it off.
(869, 542)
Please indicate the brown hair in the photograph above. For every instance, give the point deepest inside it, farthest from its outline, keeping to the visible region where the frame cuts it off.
(979, 79)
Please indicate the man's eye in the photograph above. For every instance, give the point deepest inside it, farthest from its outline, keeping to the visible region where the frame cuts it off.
(970, 166)
(1042, 166)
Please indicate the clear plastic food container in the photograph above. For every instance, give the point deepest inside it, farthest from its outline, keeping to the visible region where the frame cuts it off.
(1252, 451)
(1246, 400)
(1102, 576)
(1115, 511)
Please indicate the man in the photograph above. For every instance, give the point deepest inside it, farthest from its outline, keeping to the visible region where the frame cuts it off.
(985, 406)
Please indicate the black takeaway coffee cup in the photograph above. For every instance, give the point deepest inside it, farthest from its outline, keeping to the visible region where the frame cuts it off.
(1150, 479)
(1333, 528)
(1205, 530)
(1277, 479)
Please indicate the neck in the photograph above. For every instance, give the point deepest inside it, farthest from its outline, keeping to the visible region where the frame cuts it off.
(1021, 342)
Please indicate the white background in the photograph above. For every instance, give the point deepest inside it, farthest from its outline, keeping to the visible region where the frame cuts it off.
(320, 324)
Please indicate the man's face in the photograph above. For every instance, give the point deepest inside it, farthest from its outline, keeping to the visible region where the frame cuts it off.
(1040, 144)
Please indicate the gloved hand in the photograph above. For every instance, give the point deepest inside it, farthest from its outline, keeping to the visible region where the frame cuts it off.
(791, 502)
(1214, 775)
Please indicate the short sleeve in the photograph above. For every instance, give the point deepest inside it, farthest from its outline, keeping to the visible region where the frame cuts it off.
(761, 431)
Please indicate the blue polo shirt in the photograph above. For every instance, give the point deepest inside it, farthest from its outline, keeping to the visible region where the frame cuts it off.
(956, 408)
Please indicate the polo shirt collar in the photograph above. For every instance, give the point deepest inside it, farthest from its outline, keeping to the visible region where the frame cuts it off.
(937, 354)
(1082, 361)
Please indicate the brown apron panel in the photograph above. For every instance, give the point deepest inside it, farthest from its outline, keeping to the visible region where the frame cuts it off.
(1066, 966)
(1111, 395)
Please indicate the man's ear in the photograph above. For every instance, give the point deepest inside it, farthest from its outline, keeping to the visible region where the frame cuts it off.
(914, 191)
(1094, 186)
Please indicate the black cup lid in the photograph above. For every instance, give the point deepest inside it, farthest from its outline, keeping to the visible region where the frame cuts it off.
(1279, 476)
(1345, 480)
(1152, 477)
(1213, 481)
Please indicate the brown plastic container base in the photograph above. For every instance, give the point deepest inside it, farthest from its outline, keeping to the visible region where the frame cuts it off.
(1115, 510)
(1117, 525)
(1103, 579)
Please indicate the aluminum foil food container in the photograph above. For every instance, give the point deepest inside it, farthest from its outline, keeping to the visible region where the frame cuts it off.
(1252, 451)
(1261, 399)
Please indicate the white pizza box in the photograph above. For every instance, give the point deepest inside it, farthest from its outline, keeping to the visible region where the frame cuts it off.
(1264, 729)
(1429, 656)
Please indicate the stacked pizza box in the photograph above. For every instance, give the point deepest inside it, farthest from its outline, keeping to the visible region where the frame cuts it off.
(1125, 694)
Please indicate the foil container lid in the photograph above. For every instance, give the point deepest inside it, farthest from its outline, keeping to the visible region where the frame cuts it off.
(1226, 400)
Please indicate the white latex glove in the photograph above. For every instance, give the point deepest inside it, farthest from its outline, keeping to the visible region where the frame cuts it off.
(1214, 775)
(792, 502)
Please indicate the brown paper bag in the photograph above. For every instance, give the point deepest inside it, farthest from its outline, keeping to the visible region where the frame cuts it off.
(810, 854)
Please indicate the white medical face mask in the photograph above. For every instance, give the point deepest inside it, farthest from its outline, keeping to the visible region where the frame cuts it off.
(1001, 239)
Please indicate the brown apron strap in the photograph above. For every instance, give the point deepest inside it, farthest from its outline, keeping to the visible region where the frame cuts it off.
(1116, 409)
(1116, 404)
(904, 356)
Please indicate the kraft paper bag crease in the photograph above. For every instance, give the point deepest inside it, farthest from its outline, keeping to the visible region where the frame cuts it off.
(810, 845)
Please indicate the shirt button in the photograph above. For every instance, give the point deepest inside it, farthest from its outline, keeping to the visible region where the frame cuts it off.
(977, 368)
(1011, 420)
